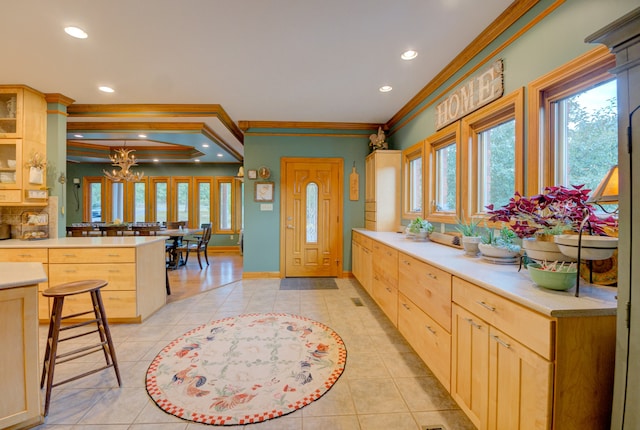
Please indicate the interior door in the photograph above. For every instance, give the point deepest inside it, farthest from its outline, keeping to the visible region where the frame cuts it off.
(311, 224)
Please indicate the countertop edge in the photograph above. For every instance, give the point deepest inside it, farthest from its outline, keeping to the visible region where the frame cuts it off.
(17, 275)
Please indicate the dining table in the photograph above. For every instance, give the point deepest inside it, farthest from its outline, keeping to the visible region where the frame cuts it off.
(175, 237)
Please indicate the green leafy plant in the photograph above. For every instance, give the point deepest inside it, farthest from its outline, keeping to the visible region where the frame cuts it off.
(470, 228)
(504, 238)
(419, 225)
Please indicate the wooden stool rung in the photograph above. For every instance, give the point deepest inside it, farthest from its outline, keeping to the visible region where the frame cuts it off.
(71, 354)
(90, 372)
(79, 335)
(79, 314)
(79, 324)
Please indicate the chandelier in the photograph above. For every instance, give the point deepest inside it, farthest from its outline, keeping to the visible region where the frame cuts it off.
(125, 160)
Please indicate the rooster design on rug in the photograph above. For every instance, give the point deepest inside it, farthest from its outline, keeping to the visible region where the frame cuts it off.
(304, 329)
(187, 349)
(193, 382)
(231, 397)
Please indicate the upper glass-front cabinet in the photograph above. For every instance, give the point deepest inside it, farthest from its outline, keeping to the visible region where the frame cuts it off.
(10, 113)
(10, 164)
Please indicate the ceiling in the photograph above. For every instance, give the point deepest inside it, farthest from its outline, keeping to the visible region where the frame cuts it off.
(188, 71)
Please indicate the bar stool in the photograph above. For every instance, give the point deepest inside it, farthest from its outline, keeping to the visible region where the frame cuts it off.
(51, 356)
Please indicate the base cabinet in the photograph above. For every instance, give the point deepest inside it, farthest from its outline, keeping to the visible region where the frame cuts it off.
(385, 280)
(362, 261)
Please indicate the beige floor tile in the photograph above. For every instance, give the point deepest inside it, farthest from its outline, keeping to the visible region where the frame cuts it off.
(376, 396)
(451, 420)
(424, 394)
(337, 401)
(69, 406)
(117, 406)
(364, 365)
(402, 421)
(343, 422)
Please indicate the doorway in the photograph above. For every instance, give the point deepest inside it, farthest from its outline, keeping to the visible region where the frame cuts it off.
(311, 217)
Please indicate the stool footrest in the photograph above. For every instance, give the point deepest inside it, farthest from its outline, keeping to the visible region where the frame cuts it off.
(79, 314)
(90, 372)
(78, 335)
(79, 352)
(80, 324)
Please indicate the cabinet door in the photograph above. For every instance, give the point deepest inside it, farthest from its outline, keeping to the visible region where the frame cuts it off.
(387, 298)
(520, 385)
(370, 179)
(470, 365)
(11, 111)
(10, 164)
(366, 268)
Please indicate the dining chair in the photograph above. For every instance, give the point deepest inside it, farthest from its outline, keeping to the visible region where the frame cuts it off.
(197, 244)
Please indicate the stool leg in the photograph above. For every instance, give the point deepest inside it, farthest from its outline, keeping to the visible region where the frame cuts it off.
(49, 365)
(104, 326)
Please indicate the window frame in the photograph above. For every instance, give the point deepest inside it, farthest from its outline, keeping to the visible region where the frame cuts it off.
(173, 200)
(509, 107)
(440, 139)
(197, 181)
(130, 199)
(86, 196)
(216, 193)
(408, 156)
(586, 71)
(153, 190)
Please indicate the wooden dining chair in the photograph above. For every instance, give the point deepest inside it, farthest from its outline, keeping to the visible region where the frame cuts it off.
(197, 244)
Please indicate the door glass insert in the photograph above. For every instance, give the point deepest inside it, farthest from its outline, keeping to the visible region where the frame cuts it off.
(312, 212)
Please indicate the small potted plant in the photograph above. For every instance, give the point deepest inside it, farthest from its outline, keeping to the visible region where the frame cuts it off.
(500, 245)
(420, 228)
(470, 235)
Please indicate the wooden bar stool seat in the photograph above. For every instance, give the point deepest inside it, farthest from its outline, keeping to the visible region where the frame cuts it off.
(51, 356)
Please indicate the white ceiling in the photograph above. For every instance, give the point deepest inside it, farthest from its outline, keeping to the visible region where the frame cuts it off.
(261, 60)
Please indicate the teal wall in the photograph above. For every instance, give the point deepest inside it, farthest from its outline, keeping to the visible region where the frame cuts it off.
(262, 228)
(74, 170)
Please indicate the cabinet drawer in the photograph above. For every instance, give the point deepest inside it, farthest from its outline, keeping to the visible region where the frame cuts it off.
(387, 299)
(117, 304)
(362, 240)
(370, 215)
(24, 255)
(426, 286)
(430, 340)
(120, 276)
(526, 326)
(10, 196)
(92, 255)
(370, 206)
(370, 225)
(385, 263)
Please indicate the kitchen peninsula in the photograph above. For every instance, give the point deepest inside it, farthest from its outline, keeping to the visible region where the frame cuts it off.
(20, 392)
(134, 267)
(511, 354)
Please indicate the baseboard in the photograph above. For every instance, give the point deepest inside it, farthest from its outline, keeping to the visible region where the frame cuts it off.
(255, 275)
(224, 249)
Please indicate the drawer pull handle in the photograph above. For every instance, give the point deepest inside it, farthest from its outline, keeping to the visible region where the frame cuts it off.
(24, 255)
(404, 305)
(69, 255)
(69, 271)
(388, 289)
(473, 323)
(114, 271)
(429, 329)
(486, 306)
(432, 276)
(113, 255)
(406, 262)
(500, 341)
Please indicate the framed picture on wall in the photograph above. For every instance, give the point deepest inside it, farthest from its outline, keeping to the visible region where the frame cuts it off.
(263, 191)
(252, 174)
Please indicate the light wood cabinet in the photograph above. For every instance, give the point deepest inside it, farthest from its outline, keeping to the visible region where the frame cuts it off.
(32, 255)
(362, 260)
(19, 382)
(385, 280)
(23, 133)
(383, 188)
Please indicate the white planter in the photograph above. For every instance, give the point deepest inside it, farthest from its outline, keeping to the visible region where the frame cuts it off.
(592, 247)
(470, 245)
(543, 250)
(497, 252)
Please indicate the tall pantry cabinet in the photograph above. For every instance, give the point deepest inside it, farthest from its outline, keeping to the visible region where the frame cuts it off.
(383, 188)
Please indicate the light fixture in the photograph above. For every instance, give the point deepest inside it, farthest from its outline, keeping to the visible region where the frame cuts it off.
(124, 160)
(607, 190)
(385, 88)
(78, 135)
(76, 32)
(143, 136)
(220, 155)
(409, 55)
(205, 145)
(240, 173)
(197, 160)
(106, 89)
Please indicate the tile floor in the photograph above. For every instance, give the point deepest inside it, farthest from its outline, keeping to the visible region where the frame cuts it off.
(385, 385)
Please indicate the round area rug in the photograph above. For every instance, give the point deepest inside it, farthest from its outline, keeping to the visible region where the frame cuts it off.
(246, 369)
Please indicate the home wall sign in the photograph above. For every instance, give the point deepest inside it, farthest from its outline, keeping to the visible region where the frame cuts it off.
(478, 91)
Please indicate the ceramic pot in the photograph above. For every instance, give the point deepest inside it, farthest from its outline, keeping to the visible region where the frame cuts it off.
(497, 252)
(470, 245)
(543, 250)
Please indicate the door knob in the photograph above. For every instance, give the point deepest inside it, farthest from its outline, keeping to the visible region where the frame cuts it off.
(290, 226)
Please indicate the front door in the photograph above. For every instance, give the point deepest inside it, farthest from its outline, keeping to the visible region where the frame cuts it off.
(311, 225)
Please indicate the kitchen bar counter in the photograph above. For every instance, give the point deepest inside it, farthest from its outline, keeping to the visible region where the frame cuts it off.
(19, 384)
(82, 242)
(505, 280)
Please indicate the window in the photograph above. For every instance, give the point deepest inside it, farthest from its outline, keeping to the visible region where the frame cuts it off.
(203, 200)
(159, 199)
(139, 201)
(225, 204)
(573, 123)
(413, 180)
(181, 203)
(312, 213)
(93, 198)
(493, 153)
(444, 162)
(116, 200)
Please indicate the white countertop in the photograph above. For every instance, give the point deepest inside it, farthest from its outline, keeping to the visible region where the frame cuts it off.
(14, 275)
(83, 242)
(505, 280)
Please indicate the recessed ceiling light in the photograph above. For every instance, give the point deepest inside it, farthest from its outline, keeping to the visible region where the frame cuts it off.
(76, 32)
(142, 136)
(155, 160)
(105, 89)
(220, 155)
(205, 145)
(385, 88)
(197, 160)
(78, 135)
(409, 55)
